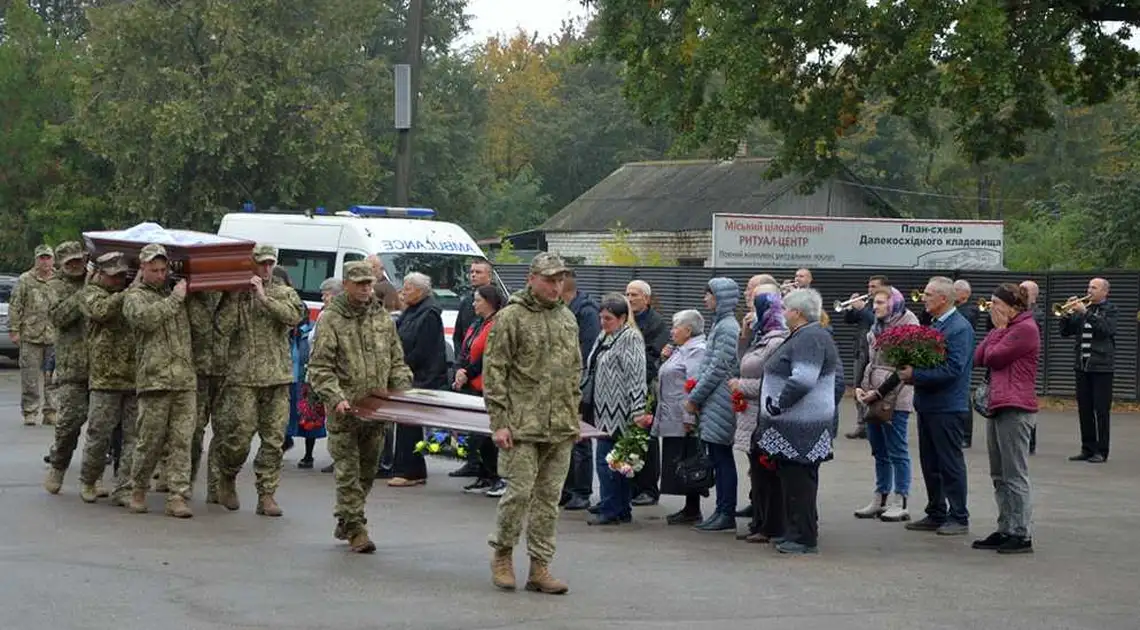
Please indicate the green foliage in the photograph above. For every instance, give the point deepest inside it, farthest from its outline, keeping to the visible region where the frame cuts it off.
(621, 253)
(506, 254)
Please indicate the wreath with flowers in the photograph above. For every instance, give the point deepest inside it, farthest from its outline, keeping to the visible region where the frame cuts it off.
(443, 443)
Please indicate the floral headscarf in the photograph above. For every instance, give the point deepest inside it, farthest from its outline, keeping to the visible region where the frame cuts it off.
(897, 308)
(769, 313)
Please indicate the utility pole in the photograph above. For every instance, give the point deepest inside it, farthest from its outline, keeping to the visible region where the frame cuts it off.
(407, 98)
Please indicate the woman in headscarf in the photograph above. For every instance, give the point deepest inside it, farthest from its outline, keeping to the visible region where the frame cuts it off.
(670, 421)
(769, 330)
(888, 440)
(711, 400)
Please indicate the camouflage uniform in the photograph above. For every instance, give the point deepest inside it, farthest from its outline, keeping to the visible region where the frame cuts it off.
(210, 349)
(111, 379)
(165, 382)
(530, 371)
(29, 317)
(255, 398)
(70, 377)
(355, 350)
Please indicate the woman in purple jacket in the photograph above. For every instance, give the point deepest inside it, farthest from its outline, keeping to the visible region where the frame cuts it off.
(1010, 352)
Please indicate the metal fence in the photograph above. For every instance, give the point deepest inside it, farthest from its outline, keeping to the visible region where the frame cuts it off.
(678, 288)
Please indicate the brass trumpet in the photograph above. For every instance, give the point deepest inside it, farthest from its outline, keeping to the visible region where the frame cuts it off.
(916, 295)
(984, 304)
(1060, 309)
(788, 285)
(841, 305)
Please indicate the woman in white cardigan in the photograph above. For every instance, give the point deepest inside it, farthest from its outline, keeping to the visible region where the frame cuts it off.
(613, 394)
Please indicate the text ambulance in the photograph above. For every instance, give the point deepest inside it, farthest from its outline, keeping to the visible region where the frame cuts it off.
(314, 247)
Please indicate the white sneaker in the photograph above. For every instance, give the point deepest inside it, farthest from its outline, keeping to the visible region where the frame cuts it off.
(896, 509)
(876, 507)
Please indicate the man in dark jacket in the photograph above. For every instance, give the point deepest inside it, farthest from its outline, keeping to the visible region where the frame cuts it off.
(480, 275)
(1094, 327)
(420, 326)
(655, 332)
(941, 400)
(579, 483)
(862, 314)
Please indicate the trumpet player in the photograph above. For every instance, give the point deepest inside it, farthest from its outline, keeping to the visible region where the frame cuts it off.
(1092, 322)
(803, 279)
(861, 313)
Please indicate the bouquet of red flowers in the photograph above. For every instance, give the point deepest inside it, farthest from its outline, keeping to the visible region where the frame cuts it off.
(739, 402)
(916, 346)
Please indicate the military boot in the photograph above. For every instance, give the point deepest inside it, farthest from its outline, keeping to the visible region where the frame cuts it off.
(267, 506)
(138, 501)
(540, 580)
(87, 492)
(339, 532)
(503, 569)
(361, 543)
(176, 507)
(101, 490)
(54, 481)
(49, 420)
(227, 493)
(121, 498)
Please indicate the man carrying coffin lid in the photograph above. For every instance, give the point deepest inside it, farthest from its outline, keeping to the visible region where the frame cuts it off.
(355, 351)
(110, 378)
(530, 371)
(164, 379)
(255, 396)
(71, 359)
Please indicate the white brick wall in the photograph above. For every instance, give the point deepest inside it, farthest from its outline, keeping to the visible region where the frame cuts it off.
(670, 245)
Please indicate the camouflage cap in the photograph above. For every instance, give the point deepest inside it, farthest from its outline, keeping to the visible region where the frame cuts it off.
(152, 251)
(264, 253)
(111, 263)
(68, 251)
(43, 250)
(358, 271)
(547, 264)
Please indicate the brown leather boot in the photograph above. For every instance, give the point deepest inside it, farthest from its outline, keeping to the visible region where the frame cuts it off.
(267, 506)
(540, 580)
(227, 493)
(138, 501)
(361, 543)
(54, 481)
(176, 507)
(503, 569)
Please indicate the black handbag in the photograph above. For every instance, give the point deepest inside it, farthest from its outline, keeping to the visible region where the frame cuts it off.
(981, 398)
(695, 473)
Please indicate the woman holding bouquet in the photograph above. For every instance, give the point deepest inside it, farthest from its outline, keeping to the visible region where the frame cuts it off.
(770, 331)
(670, 421)
(1010, 351)
(469, 380)
(889, 403)
(613, 394)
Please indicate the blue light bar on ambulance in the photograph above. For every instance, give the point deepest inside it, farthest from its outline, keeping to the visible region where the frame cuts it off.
(389, 211)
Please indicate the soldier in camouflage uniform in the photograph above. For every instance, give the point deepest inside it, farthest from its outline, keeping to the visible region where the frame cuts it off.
(211, 362)
(530, 371)
(165, 382)
(29, 325)
(70, 376)
(255, 398)
(111, 378)
(355, 350)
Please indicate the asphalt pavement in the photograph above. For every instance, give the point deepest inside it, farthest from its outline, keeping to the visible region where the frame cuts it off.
(67, 565)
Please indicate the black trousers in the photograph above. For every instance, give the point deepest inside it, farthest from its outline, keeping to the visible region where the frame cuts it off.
(580, 476)
(1094, 404)
(488, 454)
(645, 482)
(406, 462)
(943, 465)
(767, 500)
(799, 484)
(968, 427)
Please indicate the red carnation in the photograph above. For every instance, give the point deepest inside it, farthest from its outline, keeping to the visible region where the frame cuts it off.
(917, 346)
(690, 384)
(765, 462)
(739, 403)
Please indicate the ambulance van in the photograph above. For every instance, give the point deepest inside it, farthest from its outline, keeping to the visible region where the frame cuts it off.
(314, 246)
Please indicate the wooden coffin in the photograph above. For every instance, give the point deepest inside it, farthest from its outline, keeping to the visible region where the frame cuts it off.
(224, 265)
(438, 409)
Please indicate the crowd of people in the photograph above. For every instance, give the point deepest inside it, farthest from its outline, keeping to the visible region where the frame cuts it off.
(146, 359)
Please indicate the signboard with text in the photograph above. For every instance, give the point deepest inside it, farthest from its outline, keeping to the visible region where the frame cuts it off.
(756, 240)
